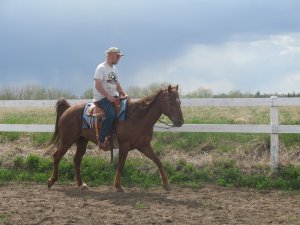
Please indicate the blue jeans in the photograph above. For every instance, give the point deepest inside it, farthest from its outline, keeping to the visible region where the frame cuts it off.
(110, 116)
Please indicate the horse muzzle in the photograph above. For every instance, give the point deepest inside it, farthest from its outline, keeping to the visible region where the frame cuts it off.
(178, 123)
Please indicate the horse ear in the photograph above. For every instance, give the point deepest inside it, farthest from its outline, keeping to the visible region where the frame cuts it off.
(177, 87)
(169, 89)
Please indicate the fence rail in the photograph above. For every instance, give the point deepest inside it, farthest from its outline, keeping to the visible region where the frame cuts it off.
(273, 128)
(241, 102)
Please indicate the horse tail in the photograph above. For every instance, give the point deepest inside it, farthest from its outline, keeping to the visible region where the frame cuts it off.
(61, 106)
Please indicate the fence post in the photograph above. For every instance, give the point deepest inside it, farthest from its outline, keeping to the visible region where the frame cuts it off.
(274, 145)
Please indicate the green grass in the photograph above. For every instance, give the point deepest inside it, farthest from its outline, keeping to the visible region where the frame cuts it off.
(40, 138)
(226, 115)
(223, 142)
(28, 116)
(9, 136)
(3, 217)
(143, 173)
(140, 205)
(290, 139)
(37, 139)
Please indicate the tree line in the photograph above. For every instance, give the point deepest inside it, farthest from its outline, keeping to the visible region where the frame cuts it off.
(36, 92)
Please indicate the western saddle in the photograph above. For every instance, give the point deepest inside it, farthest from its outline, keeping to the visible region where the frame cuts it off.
(99, 113)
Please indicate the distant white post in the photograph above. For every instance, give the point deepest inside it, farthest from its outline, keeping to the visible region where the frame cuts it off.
(274, 145)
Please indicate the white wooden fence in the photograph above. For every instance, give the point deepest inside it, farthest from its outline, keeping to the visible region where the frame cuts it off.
(273, 128)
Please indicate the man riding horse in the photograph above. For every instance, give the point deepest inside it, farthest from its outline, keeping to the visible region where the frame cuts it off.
(136, 132)
(106, 88)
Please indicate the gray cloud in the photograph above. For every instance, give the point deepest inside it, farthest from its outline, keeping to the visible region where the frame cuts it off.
(52, 41)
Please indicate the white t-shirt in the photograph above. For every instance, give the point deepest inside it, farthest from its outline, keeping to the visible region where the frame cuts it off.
(109, 79)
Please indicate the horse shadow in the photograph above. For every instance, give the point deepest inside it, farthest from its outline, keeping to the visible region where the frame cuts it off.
(130, 198)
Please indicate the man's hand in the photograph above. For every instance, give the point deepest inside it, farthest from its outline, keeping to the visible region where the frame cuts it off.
(123, 96)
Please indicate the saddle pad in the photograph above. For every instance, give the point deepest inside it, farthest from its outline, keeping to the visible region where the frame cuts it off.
(123, 108)
(87, 121)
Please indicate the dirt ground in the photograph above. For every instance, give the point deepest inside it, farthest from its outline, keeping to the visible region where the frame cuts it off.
(66, 204)
(28, 203)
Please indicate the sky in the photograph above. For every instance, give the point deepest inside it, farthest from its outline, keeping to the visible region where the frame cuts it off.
(222, 45)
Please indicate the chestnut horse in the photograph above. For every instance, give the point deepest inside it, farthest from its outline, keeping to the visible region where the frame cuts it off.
(135, 132)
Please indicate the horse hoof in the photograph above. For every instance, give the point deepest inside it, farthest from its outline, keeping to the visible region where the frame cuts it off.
(167, 187)
(121, 189)
(84, 187)
(50, 183)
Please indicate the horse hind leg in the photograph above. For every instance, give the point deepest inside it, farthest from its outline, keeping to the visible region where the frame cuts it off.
(81, 149)
(57, 156)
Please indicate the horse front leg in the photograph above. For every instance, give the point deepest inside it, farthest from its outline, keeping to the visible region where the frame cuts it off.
(148, 151)
(123, 152)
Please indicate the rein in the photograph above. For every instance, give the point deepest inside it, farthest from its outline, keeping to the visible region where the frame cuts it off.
(169, 125)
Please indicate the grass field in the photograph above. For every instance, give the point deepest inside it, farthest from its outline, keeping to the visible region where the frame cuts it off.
(227, 159)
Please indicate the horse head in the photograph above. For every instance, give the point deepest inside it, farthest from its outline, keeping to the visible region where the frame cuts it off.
(171, 106)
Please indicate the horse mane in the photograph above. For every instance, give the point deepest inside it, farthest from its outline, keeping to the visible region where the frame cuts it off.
(140, 107)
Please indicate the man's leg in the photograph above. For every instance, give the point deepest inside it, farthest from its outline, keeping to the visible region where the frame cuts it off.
(108, 121)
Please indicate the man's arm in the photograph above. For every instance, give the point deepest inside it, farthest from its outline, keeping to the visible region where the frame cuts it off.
(121, 90)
